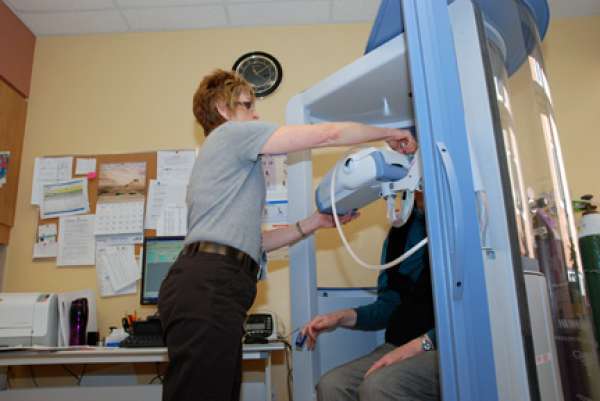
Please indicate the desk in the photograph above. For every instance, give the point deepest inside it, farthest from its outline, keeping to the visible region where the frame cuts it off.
(101, 355)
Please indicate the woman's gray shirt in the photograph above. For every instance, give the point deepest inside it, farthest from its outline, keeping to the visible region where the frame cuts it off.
(226, 193)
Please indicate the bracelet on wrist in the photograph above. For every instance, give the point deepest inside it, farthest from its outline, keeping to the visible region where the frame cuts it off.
(302, 234)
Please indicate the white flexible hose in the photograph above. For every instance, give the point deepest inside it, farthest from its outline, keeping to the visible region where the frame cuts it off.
(366, 265)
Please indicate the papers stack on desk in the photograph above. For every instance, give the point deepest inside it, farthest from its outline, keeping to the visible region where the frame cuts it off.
(44, 348)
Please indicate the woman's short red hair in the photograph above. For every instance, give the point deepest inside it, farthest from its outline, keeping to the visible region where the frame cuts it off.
(218, 87)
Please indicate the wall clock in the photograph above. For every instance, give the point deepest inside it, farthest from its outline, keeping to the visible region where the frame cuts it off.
(261, 70)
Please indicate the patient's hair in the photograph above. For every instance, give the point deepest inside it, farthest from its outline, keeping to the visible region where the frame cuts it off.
(218, 87)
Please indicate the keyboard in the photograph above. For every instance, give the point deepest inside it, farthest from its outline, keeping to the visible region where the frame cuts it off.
(142, 341)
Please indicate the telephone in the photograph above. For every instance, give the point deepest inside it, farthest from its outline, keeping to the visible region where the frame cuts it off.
(260, 327)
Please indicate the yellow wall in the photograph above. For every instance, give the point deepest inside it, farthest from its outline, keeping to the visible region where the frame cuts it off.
(572, 56)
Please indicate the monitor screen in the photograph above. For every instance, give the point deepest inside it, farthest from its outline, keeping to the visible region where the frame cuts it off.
(159, 254)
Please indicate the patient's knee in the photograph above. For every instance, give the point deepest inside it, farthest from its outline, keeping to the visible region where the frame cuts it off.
(372, 388)
(331, 386)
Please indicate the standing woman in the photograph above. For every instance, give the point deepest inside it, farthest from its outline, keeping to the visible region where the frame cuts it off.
(205, 297)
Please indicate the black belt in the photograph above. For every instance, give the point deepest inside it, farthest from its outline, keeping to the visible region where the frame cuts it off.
(220, 249)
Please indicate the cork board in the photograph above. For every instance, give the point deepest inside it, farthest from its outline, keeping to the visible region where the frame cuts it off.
(150, 158)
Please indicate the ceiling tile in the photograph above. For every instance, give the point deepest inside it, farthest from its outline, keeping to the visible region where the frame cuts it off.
(161, 3)
(354, 10)
(47, 17)
(74, 23)
(59, 5)
(174, 18)
(279, 13)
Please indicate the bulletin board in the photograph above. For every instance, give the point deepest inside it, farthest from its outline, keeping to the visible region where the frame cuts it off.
(129, 196)
(150, 158)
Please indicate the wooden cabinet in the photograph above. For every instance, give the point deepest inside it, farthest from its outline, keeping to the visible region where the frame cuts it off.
(13, 109)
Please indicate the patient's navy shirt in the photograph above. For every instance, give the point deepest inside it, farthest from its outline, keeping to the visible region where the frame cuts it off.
(404, 304)
(226, 193)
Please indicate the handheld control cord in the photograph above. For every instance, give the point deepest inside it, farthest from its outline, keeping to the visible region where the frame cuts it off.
(364, 264)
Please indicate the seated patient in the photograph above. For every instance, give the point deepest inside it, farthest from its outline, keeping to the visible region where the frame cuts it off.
(406, 366)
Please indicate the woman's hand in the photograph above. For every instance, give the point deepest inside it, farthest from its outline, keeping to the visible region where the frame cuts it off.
(401, 353)
(403, 141)
(322, 220)
(328, 322)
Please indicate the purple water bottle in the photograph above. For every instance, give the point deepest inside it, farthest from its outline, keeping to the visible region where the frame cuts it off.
(78, 317)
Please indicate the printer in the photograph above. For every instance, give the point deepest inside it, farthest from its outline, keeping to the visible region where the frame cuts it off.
(28, 319)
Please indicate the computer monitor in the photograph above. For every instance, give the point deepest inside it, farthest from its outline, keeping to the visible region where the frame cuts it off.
(158, 256)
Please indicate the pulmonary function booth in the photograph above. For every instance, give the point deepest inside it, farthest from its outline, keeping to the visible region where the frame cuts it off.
(511, 314)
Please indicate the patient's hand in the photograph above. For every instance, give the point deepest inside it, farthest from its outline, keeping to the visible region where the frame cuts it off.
(318, 325)
(327, 322)
(401, 353)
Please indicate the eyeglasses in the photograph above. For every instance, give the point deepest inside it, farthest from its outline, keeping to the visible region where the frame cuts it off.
(248, 105)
